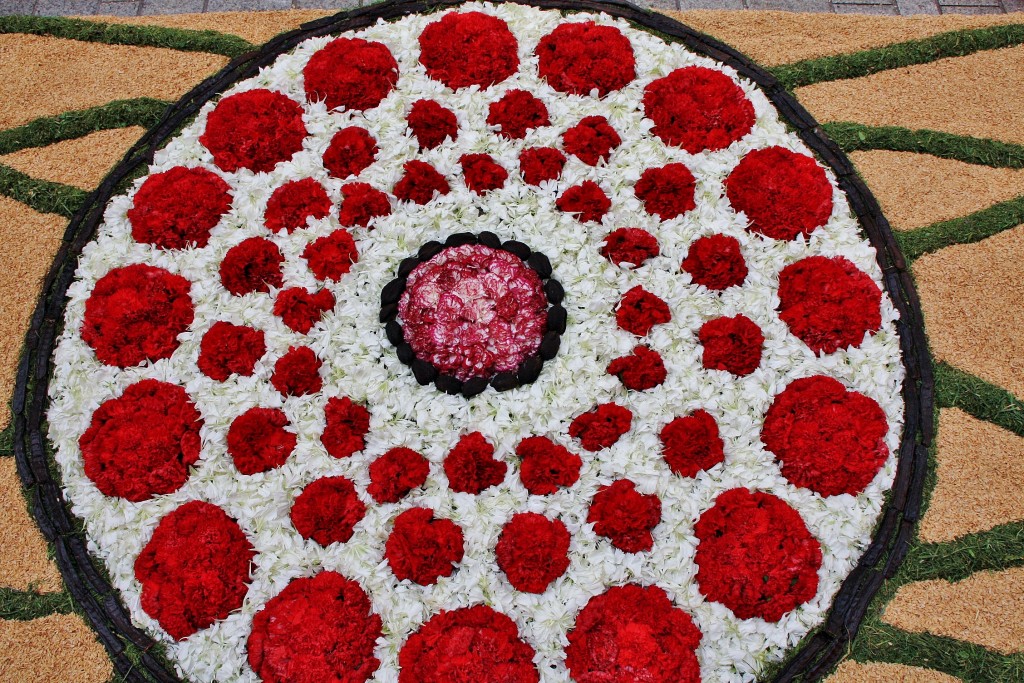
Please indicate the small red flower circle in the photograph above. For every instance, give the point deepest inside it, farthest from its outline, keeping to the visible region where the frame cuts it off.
(630, 245)
(252, 265)
(691, 444)
(482, 172)
(396, 473)
(538, 164)
(419, 182)
(178, 208)
(587, 200)
(517, 113)
(625, 516)
(578, 58)
(228, 349)
(731, 344)
(641, 370)
(602, 426)
(432, 124)
(258, 440)
(361, 203)
(254, 130)
(639, 311)
(350, 152)
(533, 551)
(328, 510)
(470, 466)
(331, 256)
(715, 262)
(698, 109)
(667, 192)
(297, 372)
(352, 73)
(293, 204)
(423, 548)
(468, 48)
(301, 309)
(591, 140)
(546, 466)
(348, 423)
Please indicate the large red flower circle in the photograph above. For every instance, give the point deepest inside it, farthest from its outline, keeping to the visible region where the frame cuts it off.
(293, 204)
(259, 441)
(755, 555)
(328, 510)
(625, 516)
(254, 130)
(469, 48)
(533, 551)
(423, 548)
(350, 72)
(698, 109)
(178, 208)
(691, 444)
(579, 58)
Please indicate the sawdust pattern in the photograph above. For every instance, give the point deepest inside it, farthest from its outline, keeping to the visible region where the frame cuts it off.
(977, 95)
(983, 609)
(59, 648)
(256, 27)
(980, 478)
(972, 296)
(918, 189)
(43, 76)
(23, 564)
(82, 162)
(877, 672)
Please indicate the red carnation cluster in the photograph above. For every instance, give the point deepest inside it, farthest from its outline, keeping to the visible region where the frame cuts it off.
(473, 644)
(579, 58)
(715, 262)
(228, 349)
(639, 311)
(691, 444)
(591, 140)
(587, 200)
(698, 109)
(633, 633)
(350, 152)
(142, 443)
(293, 204)
(625, 516)
(297, 372)
(301, 309)
(602, 426)
(396, 473)
(468, 48)
(194, 569)
(546, 466)
(630, 245)
(829, 303)
(252, 265)
(731, 344)
(348, 423)
(538, 164)
(828, 439)
(470, 466)
(516, 113)
(361, 203)
(423, 548)
(755, 555)
(352, 73)
(135, 313)
(331, 256)
(316, 629)
(328, 510)
(419, 183)
(255, 130)
(482, 172)
(178, 208)
(258, 440)
(533, 551)
(667, 192)
(431, 123)
(641, 370)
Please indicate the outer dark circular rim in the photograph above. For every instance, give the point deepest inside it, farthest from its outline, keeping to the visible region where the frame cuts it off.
(89, 585)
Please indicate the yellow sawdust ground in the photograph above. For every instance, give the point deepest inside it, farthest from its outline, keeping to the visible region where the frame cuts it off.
(876, 672)
(23, 563)
(82, 162)
(59, 648)
(256, 27)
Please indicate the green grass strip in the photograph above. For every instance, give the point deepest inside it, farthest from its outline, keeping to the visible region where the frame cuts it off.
(857, 64)
(123, 34)
(995, 549)
(18, 605)
(42, 195)
(957, 389)
(973, 228)
(7, 441)
(144, 111)
(852, 137)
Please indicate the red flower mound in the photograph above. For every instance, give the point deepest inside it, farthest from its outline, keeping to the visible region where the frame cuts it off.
(630, 245)
(471, 467)
(643, 369)
(297, 372)
(533, 551)
(331, 256)
(468, 48)
(828, 439)
(698, 109)
(328, 510)
(315, 630)
(294, 203)
(361, 203)
(352, 73)
(229, 349)
(351, 151)
(581, 57)
(587, 200)
(255, 130)
(396, 473)
(692, 444)
(142, 443)
(783, 194)
(472, 644)
(829, 303)
(431, 123)
(178, 208)
(482, 172)
(715, 261)
(667, 192)
(194, 569)
(347, 426)
(538, 164)
(546, 466)
(639, 311)
(420, 182)
(516, 113)
(625, 516)
(258, 441)
(135, 314)
(731, 344)
(300, 309)
(423, 548)
(591, 140)
(252, 265)
(602, 426)
(633, 633)
(755, 555)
